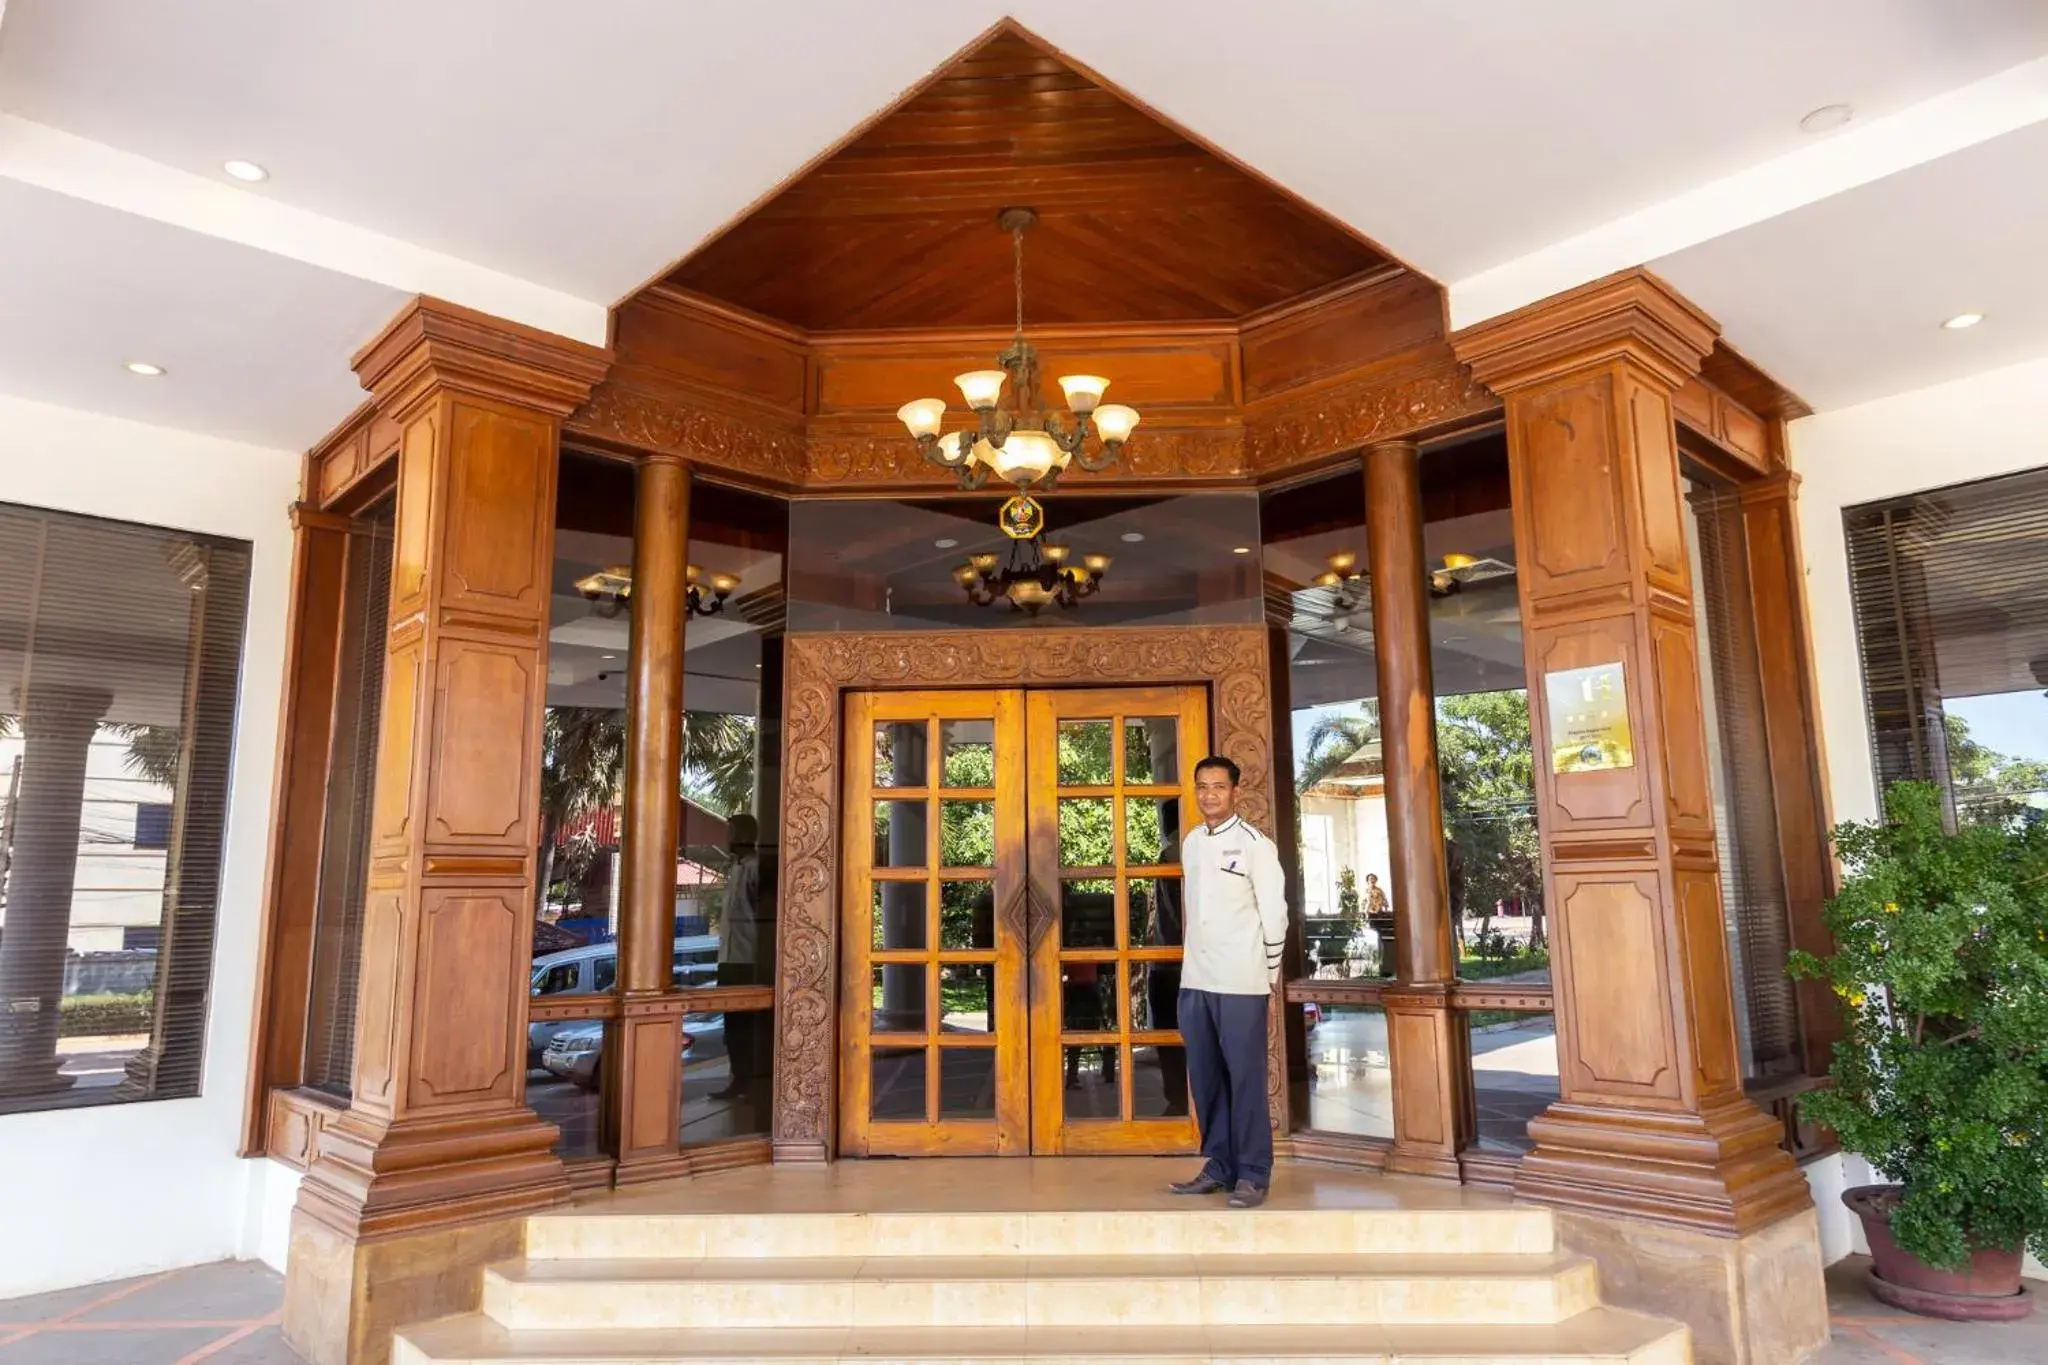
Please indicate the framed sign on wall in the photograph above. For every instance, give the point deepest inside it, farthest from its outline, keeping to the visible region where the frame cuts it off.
(1589, 729)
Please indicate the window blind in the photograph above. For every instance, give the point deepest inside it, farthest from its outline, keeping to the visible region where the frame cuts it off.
(351, 786)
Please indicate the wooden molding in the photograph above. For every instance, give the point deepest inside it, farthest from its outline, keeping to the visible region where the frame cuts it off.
(1303, 427)
(819, 669)
(1633, 314)
(435, 345)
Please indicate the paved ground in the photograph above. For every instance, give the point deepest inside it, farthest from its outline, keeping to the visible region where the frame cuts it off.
(227, 1315)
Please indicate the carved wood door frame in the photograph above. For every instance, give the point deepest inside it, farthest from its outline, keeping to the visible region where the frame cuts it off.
(819, 669)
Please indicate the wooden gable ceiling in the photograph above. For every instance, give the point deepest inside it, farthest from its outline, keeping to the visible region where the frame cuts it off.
(1137, 223)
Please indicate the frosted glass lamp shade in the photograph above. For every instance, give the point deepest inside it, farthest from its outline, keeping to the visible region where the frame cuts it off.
(723, 583)
(1095, 563)
(981, 388)
(1025, 456)
(923, 415)
(949, 449)
(1115, 421)
(1083, 391)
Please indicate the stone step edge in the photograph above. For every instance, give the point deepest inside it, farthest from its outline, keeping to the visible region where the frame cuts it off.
(585, 1272)
(1647, 1341)
(562, 1235)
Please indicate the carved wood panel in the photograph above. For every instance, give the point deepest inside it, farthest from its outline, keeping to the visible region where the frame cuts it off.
(468, 959)
(1571, 488)
(1619, 987)
(1655, 459)
(819, 668)
(1703, 944)
(495, 533)
(479, 771)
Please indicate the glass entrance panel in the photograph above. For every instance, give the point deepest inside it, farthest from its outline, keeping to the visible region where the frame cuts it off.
(1111, 779)
(935, 1022)
(1013, 928)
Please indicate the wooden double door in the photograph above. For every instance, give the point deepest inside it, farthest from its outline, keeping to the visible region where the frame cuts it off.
(1012, 921)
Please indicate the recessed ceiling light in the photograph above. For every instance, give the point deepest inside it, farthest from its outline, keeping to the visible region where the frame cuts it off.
(607, 656)
(1826, 119)
(1962, 320)
(757, 665)
(1132, 537)
(1240, 549)
(945, 542)
(143, 367)
(245, 170)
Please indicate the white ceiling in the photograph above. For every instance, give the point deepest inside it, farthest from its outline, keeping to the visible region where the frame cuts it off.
(254, 346)
(536, 158)
(1849, 293)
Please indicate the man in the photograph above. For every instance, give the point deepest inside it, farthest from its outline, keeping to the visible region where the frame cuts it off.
(1235, 906)
(739, 950)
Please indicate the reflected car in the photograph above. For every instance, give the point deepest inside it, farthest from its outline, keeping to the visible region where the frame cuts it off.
(576, 1053)
(594, 970)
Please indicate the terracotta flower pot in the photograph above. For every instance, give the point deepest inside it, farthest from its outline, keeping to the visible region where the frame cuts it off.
(1985, 1288)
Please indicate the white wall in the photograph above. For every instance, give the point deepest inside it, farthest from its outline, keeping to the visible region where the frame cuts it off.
(1991, 423)
(97, 1193)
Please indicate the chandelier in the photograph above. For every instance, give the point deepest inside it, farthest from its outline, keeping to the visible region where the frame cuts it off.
(1345, 581)
(609, 590)
(1037, 573)
(1026, 445)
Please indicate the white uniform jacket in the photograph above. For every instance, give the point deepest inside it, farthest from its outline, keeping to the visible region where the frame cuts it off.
(1236, 899)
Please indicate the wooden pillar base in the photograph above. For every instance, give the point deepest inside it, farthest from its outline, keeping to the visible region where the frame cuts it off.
(1430, 1054)
(374, 1180)
(1720, 1171)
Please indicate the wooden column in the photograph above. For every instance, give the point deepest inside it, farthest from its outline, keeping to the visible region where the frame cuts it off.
(1427, 1044)
(1784, 643)
(649, 1076)
(438, 1136)
(1652, 1120)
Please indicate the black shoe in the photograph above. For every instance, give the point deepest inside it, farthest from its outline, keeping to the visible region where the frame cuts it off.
(1201, 1184)
(1247, 1196)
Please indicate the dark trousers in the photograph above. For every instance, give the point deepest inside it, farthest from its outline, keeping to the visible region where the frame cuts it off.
(1226, 1038)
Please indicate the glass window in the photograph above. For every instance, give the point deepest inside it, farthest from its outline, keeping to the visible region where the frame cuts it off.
(1514, 1075)
(725, 1077)
(1315, 553)
(890, 564)
(571, 1097)
(351, 788)
(1952, 625)
(1485, 758)
(1349, 1079)
(120, 652)
(1739, 772)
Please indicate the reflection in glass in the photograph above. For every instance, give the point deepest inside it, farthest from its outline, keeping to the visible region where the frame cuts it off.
(1159, 1082)
(967, 1083)
(967, 833)
(1152, 750)
(1088, 913)
(1155, 997)
(967, 995)
(1151, 830)
(1086, 838)
(1514, 1074)
(1350, 1088)
(1155, 912)
(1092, 1091)
(899, 997)
(1084, 754)
(900, 833)
(1088, 997)
(900, 759)
(1494, 865)
(897, 1080)
(566, 1088)
(725, 1077)
(968, 753)
(967, 916)
(899, 916)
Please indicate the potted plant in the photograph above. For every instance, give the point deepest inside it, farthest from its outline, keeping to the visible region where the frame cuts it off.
(1940, 1079)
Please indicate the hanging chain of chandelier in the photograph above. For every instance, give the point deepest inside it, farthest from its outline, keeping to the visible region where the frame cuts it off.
(1025, 444)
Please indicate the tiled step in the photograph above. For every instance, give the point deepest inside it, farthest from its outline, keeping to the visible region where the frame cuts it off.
(1308, 1288)
(1379, 1231)
(1600, 1336)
